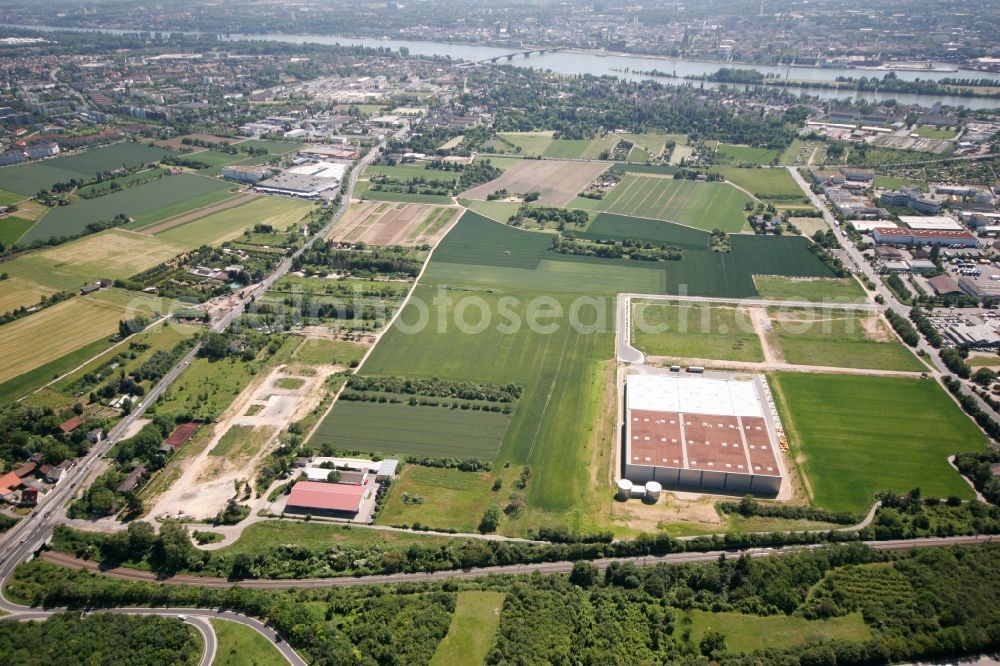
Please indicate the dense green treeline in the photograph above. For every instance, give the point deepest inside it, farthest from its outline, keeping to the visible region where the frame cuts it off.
(914, 604)
(101, 638)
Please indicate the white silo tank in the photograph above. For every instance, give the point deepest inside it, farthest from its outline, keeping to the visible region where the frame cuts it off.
(624, 488)
(653, 490)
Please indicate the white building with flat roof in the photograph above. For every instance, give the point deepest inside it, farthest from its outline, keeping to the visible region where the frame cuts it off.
(936, 222)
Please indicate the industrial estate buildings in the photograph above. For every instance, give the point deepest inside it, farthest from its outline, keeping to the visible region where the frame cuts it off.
(699, 433)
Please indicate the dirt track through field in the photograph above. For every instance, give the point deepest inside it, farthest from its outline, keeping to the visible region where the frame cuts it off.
(193, 215)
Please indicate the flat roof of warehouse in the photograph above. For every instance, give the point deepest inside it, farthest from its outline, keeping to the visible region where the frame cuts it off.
(693, 395)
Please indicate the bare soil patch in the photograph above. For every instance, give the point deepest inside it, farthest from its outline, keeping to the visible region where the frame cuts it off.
(556, 181)
(207, 481)
(382, 223)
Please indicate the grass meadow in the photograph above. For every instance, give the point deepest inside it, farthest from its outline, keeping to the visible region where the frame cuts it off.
(451, 498)
(279, 212)
(740, 154)
(695, 331)
(746, 633)
(473, 629)
(840, 338)
(855, 436)
(767, 184)
(240, 645)
(840, 290)
(530, 143)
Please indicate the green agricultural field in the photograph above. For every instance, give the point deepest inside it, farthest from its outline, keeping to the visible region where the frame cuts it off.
(530, 143)
(8, 198)
(401, 429)
(695, 331)
(502, 162)
(240, 645)
(598, 145)
(768, 184)
(501, 211)
(840, 339)
(555, 367)
(28, 179)
(473, 629)
(638, 155)
(519, 259)
(194, 204)
(746, 633)
(404, 197)
(838, 290)
(315, 351)
(746, 154)
(567, 148)
(166, 192)
(213, 158)
(857, 436)
(695, 204)
(45, 336)
(114, 254)
(12, 228)
(229, 224)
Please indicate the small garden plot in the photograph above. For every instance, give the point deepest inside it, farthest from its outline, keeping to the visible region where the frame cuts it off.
(698, 330)
(840, 339)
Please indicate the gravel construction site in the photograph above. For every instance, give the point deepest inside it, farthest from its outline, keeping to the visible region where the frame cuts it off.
(241, 438)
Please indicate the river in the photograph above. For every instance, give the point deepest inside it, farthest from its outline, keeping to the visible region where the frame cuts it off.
(625, 66)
